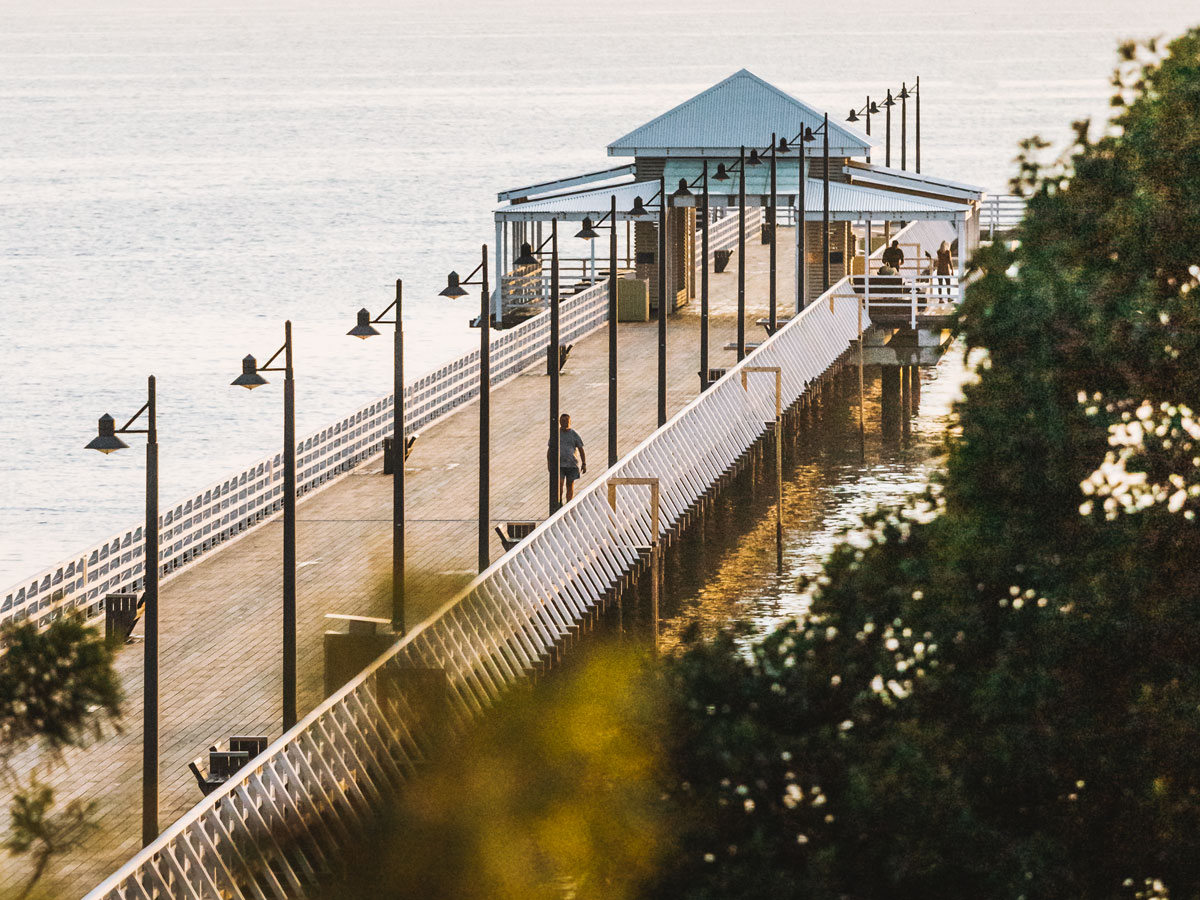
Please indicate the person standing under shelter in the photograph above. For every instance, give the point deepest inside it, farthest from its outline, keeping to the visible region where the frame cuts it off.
(945, 266)
(893, 256)
(572, 459)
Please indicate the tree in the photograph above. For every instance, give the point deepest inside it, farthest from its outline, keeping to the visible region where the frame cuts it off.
(57, 689)
(1001, 699)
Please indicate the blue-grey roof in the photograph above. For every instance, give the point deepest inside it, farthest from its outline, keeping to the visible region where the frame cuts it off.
(741, 110)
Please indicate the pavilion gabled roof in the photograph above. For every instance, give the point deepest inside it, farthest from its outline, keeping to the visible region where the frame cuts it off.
(741, 110)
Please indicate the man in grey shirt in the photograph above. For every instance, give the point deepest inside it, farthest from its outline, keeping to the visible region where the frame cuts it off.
(570, 466)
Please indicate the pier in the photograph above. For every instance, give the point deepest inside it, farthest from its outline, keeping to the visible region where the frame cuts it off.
(480, 632)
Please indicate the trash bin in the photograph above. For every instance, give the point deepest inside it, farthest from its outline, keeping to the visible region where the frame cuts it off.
(767, 230)
(721, 260)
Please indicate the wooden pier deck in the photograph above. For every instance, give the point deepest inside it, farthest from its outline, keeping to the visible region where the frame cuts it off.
(220, 619)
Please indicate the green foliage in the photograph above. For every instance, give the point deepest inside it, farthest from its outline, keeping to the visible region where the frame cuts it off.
(1002, 701)
(57, 686)
(52, 683)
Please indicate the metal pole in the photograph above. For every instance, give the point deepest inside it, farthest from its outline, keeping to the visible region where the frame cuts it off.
(918, 99)
(704, 284)
(399, 448)
(612, 334)
(903, 126)
(774, 221)
(662, 300)
(868, 128)
(552, 362)
(888, 104)
(150, 672)
(741, 322)
(802, 233)
(825, 211)
(289, 533)
(484, 415)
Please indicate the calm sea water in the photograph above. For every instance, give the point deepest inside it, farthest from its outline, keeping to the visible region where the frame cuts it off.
(176, 179)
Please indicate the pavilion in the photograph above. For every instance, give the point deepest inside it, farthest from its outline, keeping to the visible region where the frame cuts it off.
(843, 195)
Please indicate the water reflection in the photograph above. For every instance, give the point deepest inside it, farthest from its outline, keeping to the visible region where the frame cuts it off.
(830, 484)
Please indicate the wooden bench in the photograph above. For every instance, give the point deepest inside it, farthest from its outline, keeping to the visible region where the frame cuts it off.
(514, 532)
(750, 345)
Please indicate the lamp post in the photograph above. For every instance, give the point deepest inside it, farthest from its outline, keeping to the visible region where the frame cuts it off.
(250, 379)
(741, 322)
(917, 97)
(771, 223)
(528, 257)
(810, 135)
(888, 103)
(106, 441)
(903, 95)
(588, 232)
(683, 196)
(365, 329)
(454, 289)
(868, 110)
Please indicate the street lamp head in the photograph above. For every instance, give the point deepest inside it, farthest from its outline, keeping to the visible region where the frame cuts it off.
(525, 259)
(721, 174)
(249, 379)
(808, 134)
(782, 146)
(682, 190)
(903, 95)
(889, 102)
(873, 109)
(452, 288)
(752, 159)
(853, 117)
(106, 440)
(364, 329)
(638, 209)
(587, 232)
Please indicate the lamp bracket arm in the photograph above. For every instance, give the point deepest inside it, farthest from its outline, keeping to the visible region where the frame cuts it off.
(266, 367)
(125, 429)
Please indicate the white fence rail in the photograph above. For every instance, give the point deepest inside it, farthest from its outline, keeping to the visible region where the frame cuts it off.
(228, 508)
(268, 832)
(1000, 212)
(725, 230)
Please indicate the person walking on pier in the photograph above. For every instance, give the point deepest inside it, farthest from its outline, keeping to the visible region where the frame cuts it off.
(893, 256)
(570, 466)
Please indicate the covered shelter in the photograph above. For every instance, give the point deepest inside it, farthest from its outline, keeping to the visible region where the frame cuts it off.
(742, 112)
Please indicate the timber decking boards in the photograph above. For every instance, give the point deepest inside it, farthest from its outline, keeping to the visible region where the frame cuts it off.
(219, 619)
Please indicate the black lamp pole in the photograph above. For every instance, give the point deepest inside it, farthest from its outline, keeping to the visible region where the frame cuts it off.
(802, 224)
(364, 329)
(704, 284)
(662, 300)
(772, 222)
(552, 361)
(106, 441)
(741, 323)
(825, 207)
(250, 379)
(917, 93)
(888, 104)
(903, 126)
(612, 333)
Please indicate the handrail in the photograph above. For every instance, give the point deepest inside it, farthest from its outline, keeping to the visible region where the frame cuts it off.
(227, 508)
(340, 760)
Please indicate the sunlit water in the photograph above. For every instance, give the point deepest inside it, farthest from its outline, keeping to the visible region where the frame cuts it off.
(178, 178)
(830, 485)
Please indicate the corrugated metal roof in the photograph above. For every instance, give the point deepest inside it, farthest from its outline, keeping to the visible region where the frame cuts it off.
(576, 205)
(913, 181)
(846, 201)
(741, 110)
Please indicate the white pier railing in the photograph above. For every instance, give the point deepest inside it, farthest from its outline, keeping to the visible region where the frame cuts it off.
(1000, 213)
(208, 518)
(268, 831)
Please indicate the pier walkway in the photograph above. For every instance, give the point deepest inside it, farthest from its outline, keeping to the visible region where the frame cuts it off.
(220, 666)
